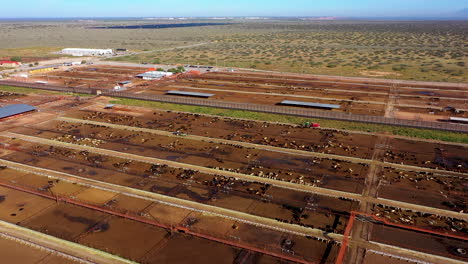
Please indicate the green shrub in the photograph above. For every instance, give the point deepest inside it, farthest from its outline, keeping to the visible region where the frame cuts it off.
(16, 58)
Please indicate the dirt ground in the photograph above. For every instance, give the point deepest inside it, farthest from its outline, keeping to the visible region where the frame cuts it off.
(279, 135)
(412, 219)
(17, 207)
(444, 191)
(378, 73)
(427, 155)
(112, 234)
(152, 243)
(200, 187)
(8, 96)
(432, 244)
(179, 249)
(104, 77)
(121, 233)
(262, 163)
(372, 258)
(262, 88)
(65, 221)
(16, 252)
(30, 59)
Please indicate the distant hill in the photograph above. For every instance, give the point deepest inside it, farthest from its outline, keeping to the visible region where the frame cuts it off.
(321, 18)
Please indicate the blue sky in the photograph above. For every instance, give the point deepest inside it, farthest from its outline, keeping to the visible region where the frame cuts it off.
(157, 8)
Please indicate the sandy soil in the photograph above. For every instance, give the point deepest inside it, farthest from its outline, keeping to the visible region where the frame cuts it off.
(16, 252)
(379, 73)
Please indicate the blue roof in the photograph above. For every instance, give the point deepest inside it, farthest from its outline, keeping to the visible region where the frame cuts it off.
(45, 67)
(307, 104)
(11, 110)
(190, 94)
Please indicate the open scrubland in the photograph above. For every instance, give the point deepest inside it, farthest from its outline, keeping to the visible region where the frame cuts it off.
(433, 51)
(429, 50)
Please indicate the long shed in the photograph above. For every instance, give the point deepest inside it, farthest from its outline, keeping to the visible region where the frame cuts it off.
(459, 120)
(308, 104)
(204, 95)
(16, 109)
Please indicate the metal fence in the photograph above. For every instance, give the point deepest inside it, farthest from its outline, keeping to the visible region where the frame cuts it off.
(50, 87)
(273, 109)
(263, 246)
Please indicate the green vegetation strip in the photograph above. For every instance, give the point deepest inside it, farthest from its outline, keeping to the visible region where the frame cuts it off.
(372, 128)
(22, 90)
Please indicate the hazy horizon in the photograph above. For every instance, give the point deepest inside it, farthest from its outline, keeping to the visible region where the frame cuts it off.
(180, 19)
(414, 9)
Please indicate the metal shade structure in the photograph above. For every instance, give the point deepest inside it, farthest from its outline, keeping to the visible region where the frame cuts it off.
(153, 75)
(87, 52)
(459, 119)
(204, 95)
(150, 75)
(312, 105)
(16, 109)
(46, 67)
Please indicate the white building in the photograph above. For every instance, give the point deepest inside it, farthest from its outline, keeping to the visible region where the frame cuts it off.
(154, 75)
(72, 63)
(87, 52)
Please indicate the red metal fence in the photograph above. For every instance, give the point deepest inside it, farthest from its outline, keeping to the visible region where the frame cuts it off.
(386, 222)
(267, 249)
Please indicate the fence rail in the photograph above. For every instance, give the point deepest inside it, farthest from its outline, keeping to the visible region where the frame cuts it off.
(50, 87)
(272, 109)
(270, 248)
